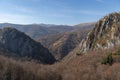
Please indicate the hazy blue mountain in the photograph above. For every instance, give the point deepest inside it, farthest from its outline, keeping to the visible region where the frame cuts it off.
(39, 30)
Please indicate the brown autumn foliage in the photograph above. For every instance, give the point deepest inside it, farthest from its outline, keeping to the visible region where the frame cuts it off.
(17, 70)
(86, 67)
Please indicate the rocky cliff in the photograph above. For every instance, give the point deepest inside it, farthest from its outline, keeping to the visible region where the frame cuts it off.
(22, 45)
(106, 34)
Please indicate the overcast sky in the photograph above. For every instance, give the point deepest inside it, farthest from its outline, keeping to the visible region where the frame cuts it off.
(68, 12)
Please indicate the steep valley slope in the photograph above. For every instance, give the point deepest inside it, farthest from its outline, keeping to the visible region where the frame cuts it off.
(18, 44)
(61, 44)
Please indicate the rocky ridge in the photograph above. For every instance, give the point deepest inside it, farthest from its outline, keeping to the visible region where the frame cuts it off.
(103, 36)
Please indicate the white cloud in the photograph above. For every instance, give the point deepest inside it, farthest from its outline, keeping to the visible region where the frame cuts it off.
(22, 9)
(15, 8)
(85, 12)
(15, 18)
(101, 1)
(92, 12)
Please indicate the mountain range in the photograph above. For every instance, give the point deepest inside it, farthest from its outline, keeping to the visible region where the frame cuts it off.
(88, 51)
(59, 39)
(40, 30)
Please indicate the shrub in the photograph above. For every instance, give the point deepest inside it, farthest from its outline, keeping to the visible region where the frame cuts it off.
(107, 59)
(117, 52)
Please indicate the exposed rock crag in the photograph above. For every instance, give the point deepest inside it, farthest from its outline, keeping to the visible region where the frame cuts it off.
(106, 34)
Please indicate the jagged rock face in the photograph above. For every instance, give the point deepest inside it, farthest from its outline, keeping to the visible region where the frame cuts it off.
(105, 34)
(23, 46)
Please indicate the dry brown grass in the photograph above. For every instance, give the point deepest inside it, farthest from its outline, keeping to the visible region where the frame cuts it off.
(86, 67)
(17, 70)
(89, 67)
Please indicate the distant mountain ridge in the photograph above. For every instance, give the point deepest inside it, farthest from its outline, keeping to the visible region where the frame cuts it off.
(84, 26)
(41, 30)
(21, 45)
